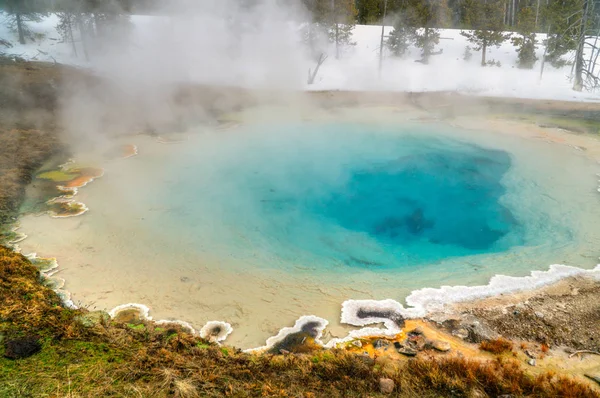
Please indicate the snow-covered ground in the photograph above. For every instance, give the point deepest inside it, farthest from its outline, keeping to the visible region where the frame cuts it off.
(198, 51)
(447, 71)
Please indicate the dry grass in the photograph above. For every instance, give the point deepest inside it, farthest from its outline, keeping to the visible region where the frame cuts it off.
(497, 346)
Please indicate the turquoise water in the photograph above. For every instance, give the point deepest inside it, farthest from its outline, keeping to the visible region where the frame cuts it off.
(343, 197)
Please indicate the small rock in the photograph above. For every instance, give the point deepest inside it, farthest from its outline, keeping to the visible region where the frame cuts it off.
(386, 386)
(283, 352)
(461, 333)
(417, 342)
(22, 347)
(530, 354)
(366, 359)
(531, 362)
(596, 377)
(409, 352)
(539, 314)
(380, 343)
(478, 332)
(357, 343)
(92, 319)
(442, 346)
(416, 331)
(478, 394)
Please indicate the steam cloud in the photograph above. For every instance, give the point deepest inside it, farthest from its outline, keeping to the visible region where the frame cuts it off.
(146, 73)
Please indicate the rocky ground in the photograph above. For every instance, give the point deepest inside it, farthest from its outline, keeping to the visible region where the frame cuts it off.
(565, 314)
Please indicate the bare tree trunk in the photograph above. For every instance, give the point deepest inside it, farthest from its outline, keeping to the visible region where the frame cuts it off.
(83, 34)
(98, 25)
(20, 28)
(337, 29)
(70, 25)
(594, 49)
(313, 75)
(545, 53)
(337, 41)
(514, 3)
(381, 41)
(578, 84)
(426, 50)
(537, 14)
(483, 51)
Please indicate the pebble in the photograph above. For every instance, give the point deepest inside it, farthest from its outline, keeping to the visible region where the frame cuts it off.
(461, 333)
(531, 362)
(380, 343)
(529, 354)
(409, 352)
(357, 343)
(418, 330)
(442, 346)
(386, 386)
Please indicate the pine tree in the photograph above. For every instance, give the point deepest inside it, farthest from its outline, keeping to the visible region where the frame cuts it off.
(563, 18)
(66, 21)
(20, 13)
(316, 33)
(400, 38)
(418, 23)
(332, 21)
(589, 25)
(369, 11)
(342, 20)
(486, 18)
(525, 41)
(428, 15)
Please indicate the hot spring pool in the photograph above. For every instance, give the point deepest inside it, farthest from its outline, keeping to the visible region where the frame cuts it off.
(343, 198)
(262, 224)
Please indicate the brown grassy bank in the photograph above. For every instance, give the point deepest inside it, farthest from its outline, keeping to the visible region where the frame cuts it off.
(27, 128)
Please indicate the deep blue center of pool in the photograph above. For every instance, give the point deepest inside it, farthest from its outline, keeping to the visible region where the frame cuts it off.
(348, 196)
(445, 198)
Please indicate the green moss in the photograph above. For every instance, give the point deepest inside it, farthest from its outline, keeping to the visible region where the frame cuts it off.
(72, 361)
(574, 124)
(202, 345)
(231, 117)
(133, 326)
(57, 176)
